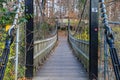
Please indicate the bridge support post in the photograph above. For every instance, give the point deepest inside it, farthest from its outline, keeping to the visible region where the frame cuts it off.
(93, 28)
(68, 28)
(29, 39)
(56, 22)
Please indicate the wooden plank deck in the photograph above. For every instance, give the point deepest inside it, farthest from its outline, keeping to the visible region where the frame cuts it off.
(62, 65)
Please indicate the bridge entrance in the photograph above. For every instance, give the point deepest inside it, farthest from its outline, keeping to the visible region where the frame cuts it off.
(61, 64)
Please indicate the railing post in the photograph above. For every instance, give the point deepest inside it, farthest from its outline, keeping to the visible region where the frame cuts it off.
(68, 28)
(29, 39)
(17, 54)
(57, 28)
(93, 47)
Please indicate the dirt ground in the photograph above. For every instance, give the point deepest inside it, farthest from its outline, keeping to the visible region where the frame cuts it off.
(62, 33)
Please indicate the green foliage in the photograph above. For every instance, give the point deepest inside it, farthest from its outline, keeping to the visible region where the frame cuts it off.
(45, 28)
(83, 1)
(80, 3)
(21, 71)
(6, 17)
(116, 30)
(84, 35)
(10, 66)
(2, 40)
(1, 1)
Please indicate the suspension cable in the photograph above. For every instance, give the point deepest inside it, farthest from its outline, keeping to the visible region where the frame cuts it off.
(81, 16)
(110, 41)
(41, 9)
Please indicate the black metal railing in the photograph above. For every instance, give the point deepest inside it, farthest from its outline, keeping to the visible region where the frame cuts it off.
(81, 49)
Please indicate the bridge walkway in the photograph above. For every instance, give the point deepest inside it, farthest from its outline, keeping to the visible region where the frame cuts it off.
(62, 65)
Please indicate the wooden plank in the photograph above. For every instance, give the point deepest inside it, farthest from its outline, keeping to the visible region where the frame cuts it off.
(62, 65)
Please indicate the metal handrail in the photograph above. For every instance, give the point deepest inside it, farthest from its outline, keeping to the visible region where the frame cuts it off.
(47, 43)
(79, 51)
(45, 40)
(78, 40)
(42, 49)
